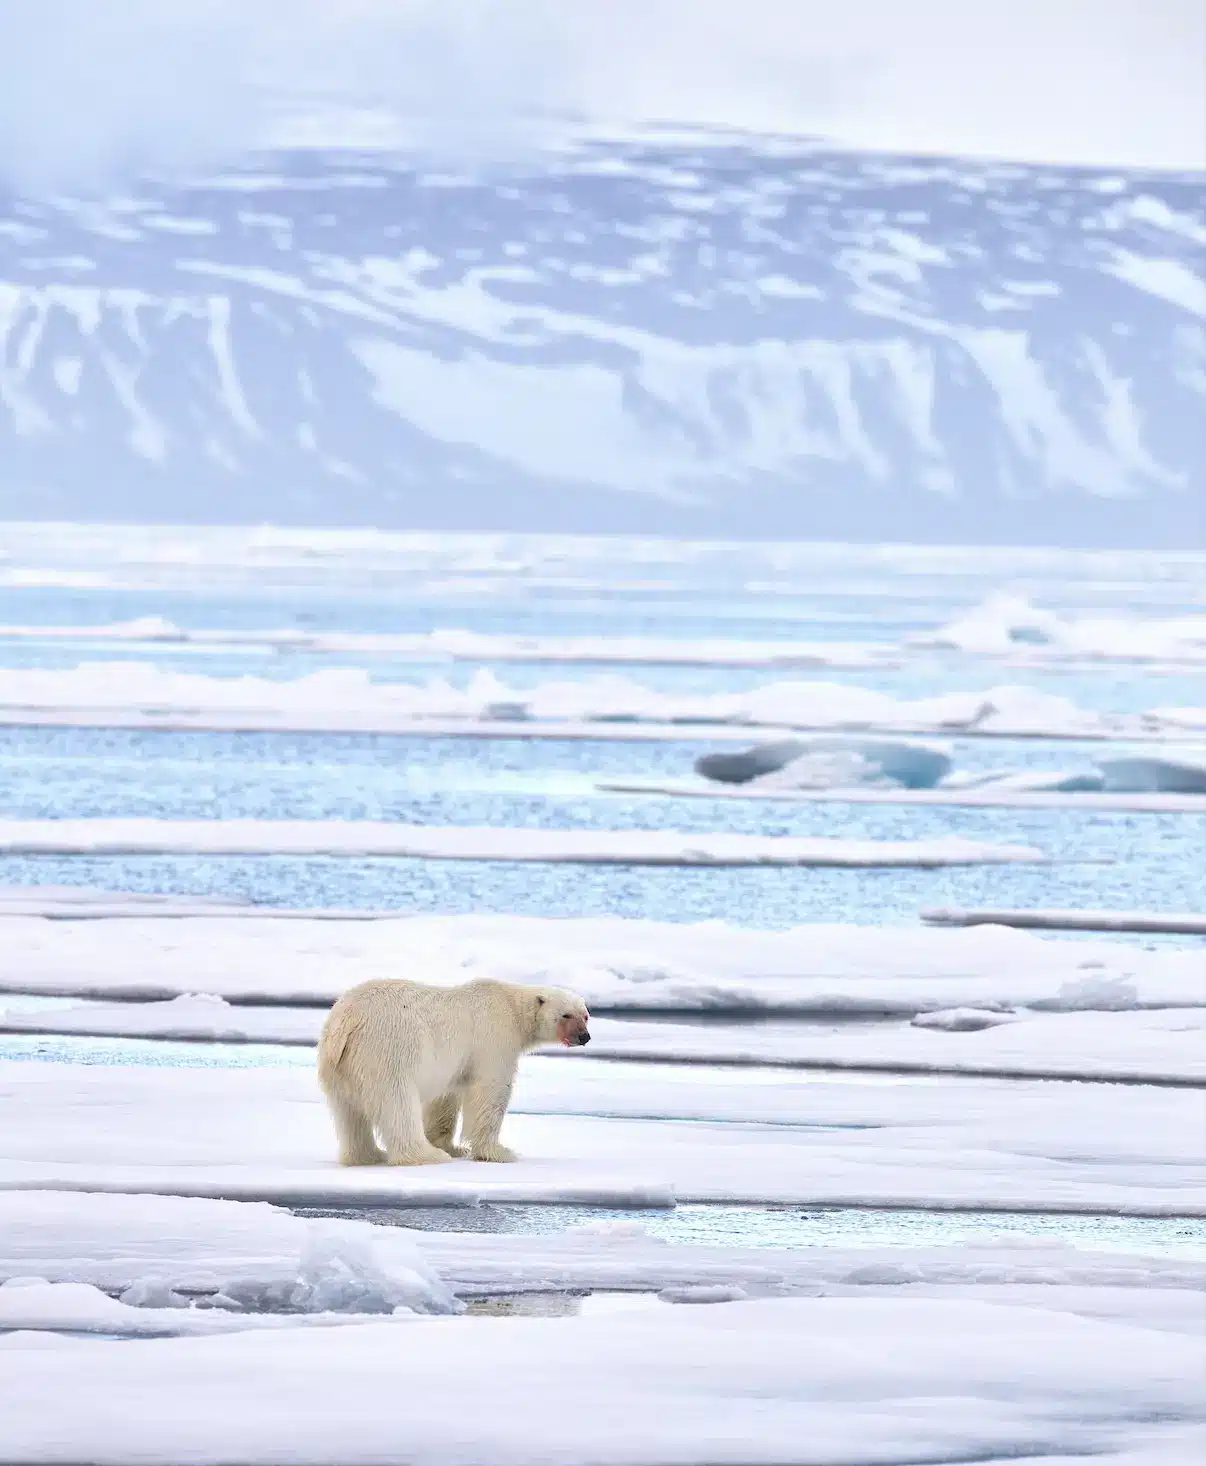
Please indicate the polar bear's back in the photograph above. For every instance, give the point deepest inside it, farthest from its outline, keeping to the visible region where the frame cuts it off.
(387, 1027)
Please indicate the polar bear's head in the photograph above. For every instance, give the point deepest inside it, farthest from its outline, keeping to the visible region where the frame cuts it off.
(561, 1017)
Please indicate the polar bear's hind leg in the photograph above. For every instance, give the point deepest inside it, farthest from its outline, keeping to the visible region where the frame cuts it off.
(440, 1121)
(400, 1123)
(355, 1131)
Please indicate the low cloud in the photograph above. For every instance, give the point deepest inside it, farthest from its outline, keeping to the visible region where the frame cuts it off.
(94, 92)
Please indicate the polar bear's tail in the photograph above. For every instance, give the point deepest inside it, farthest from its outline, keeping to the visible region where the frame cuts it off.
(332, 1045)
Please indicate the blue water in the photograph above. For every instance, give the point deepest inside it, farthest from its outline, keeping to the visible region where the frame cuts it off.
(261, 583)
(1099, 859)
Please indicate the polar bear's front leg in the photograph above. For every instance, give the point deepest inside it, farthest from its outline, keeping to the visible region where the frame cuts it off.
(485, 1107)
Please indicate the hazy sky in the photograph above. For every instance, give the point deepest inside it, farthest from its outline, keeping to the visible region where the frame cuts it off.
(90, 87)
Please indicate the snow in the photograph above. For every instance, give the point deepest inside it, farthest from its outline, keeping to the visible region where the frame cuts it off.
(797, 1380)
(616, 963)
(616, 1134)
(1011, 626)
(432, 842)
(121, 694)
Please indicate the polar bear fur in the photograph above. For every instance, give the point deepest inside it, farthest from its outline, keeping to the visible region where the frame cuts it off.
(402, 1062)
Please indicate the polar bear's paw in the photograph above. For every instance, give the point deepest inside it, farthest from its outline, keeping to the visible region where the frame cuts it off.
(361, 1156)
(495, 1152)
(427, 1155)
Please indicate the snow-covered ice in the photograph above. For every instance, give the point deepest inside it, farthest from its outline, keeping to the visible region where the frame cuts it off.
(156, 1251)
(435, 842)
(616, 963)
(1181, 923)
(160, 1252)
(820, 762)
(1023, 791)
(623, 1134)
(1183, 774)
(134, 694)
(454, 645)
(795, 1380)
(1004, 627)
(80, 1308)
(1010, 626)
(1167, 1046)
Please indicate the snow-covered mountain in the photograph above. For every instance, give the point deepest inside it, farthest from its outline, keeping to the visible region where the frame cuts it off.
(724, 336)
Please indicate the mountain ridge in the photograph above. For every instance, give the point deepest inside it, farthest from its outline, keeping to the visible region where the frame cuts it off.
(659, 335)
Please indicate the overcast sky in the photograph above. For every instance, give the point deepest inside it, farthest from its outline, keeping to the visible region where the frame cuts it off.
(92, 87)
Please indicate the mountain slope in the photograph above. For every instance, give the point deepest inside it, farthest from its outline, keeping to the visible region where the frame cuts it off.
(725, 336)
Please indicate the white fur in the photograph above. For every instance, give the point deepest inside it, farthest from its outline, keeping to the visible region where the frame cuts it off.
(401, 1062)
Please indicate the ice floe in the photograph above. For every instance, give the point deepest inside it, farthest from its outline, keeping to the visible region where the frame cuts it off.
(455, 645)
(1154, 922)
(1166, 1046)
(133, 694)
(843, 762)
(79, 1308)
(616, 963)
(434, 842)
(826, 762)
(1021, 791)
(799, 1380)
(160, 1253)
(1008, 625)
(617, 1134)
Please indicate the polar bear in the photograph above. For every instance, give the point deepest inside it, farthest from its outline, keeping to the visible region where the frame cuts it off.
(407, 1061)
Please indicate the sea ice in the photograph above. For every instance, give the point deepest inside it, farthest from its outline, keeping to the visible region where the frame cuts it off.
(618, 1134)
(1183, 774)
(152, 1249)
(830, 762)
(618, 964)
(1009, 626)
(1166, 1046)
(133, 694)
(433, 842)
(794, 1380)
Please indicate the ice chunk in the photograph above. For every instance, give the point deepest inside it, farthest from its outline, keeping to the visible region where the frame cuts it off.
(1182, 773)
(1004, 625)
(962, 1020)
(1055, 781)
(831, 762)
(704, 1293)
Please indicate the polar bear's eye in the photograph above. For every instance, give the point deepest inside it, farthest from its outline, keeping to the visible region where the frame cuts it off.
(540, 1002)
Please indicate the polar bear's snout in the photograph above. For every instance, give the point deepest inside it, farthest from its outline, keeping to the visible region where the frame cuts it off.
(572, 1030)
